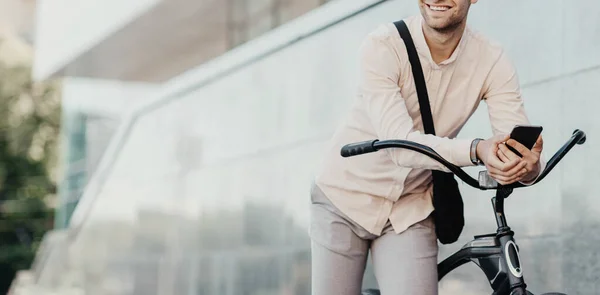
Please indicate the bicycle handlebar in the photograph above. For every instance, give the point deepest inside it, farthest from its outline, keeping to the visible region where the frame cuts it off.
(370, 146)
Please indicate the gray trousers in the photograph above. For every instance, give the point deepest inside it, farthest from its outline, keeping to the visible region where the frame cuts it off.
(404, 263)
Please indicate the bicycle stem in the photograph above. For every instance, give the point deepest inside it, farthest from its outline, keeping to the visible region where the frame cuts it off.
(498, 204)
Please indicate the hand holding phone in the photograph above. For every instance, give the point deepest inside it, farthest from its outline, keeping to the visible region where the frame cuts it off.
(526, 135)
(528, 149)
(507, 167)
(502, 165)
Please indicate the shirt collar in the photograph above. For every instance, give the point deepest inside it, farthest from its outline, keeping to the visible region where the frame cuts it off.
(423, 49)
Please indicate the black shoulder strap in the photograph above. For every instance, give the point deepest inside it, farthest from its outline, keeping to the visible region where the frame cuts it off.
(418, 76)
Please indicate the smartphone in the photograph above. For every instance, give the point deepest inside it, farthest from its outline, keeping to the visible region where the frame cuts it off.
(527, 135)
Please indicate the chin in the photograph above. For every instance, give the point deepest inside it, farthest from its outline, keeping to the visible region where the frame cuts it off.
(438, 24)
(441, 25)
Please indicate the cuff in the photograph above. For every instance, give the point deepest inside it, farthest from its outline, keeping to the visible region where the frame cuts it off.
(461, 152)
(542, 162)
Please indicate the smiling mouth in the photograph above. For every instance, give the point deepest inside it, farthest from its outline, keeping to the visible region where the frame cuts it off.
(438, 7)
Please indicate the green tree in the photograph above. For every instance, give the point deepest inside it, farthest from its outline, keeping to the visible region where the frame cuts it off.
(29, 135)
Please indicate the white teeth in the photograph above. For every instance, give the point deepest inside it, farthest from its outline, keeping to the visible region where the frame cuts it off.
(438, 8)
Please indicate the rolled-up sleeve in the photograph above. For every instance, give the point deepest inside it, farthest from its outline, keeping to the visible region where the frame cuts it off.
(380, 67)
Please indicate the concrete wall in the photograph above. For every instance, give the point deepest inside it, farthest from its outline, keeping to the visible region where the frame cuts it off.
(206, 189)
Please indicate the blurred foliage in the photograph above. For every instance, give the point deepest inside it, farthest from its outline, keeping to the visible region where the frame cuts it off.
(29, 136)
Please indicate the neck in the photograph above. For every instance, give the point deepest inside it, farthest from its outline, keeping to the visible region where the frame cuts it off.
(443, 43)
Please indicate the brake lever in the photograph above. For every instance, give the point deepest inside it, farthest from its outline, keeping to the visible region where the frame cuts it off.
(486, 181)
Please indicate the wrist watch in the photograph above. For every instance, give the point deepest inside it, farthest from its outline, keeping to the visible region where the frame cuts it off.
(474, 159)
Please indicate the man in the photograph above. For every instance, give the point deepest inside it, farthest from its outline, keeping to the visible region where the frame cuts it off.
(382, 201)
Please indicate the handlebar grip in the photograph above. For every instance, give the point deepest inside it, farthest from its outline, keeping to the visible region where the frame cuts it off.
(581, 134)
(358, 148)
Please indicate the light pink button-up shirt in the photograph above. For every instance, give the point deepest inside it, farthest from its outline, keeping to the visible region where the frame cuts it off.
(395, 184)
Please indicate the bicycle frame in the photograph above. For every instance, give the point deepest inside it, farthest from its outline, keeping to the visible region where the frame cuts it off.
(497, 255)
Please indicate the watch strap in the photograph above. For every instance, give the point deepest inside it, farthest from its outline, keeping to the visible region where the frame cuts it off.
(474, 159)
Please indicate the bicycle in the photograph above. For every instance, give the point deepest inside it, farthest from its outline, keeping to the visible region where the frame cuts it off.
(496, 254)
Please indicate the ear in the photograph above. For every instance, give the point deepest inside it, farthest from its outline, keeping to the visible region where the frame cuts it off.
(473, 1)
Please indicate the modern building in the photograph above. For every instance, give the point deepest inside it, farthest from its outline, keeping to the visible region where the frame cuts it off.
(193, 128)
